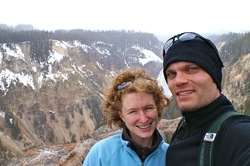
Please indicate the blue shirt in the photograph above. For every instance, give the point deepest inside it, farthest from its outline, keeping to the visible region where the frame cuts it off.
(114, 151)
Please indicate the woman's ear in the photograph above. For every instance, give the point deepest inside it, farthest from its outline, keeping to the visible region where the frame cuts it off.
(121, 116)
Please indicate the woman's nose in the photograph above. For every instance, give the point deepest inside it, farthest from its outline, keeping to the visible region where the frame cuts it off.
(143, 117)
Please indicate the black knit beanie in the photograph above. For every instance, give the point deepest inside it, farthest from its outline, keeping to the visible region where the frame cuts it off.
(198, 51)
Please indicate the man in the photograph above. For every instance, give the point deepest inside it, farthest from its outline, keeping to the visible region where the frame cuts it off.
(193, 72)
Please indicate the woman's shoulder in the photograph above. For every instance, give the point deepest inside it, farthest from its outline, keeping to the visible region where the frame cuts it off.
(103, 150)
(111, 140)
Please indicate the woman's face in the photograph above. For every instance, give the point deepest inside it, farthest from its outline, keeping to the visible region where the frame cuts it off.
(140, 115)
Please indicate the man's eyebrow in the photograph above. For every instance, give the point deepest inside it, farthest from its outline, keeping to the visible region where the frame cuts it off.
(169, 70)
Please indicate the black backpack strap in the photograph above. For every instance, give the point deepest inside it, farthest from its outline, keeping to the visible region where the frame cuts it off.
(206, 148)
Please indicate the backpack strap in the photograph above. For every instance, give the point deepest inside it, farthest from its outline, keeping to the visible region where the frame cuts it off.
(205, 158)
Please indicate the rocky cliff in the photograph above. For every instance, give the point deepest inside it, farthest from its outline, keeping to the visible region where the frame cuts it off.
(236, 83)
(51, 93)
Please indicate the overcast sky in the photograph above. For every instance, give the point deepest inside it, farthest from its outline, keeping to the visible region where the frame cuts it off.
(154, 16)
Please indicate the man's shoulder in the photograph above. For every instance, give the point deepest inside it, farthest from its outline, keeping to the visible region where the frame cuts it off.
(232, 142)
(241, 122)
(238, 120)
(236, 126)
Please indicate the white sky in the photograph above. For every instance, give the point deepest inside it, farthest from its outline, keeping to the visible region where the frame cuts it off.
(154, 16)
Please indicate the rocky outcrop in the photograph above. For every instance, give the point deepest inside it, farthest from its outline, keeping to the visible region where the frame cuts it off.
(74, 154)
(236, 84)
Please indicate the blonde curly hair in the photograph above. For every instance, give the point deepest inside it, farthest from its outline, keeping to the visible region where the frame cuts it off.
(131, 80)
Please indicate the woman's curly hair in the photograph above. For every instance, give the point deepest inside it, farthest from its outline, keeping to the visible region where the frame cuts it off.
(131, 80)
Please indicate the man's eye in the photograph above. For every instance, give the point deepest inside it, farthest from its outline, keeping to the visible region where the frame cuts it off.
(170, 75)
(192, 69)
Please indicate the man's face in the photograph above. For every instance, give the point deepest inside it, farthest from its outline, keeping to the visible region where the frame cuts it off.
(191, 86)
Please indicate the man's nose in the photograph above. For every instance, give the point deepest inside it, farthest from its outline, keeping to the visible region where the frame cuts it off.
(180, 78)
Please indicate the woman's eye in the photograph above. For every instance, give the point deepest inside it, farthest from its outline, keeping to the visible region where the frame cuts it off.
(132, 112)
(150, 108)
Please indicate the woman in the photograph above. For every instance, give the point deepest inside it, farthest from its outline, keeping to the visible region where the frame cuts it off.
(135, 103)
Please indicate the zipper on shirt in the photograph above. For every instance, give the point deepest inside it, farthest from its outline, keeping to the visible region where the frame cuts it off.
(143, 159)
